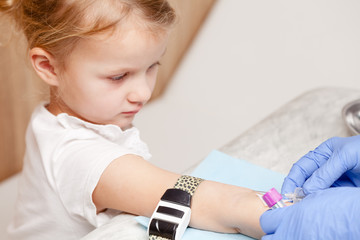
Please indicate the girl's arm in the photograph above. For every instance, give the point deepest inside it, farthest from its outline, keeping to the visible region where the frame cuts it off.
(133, 185)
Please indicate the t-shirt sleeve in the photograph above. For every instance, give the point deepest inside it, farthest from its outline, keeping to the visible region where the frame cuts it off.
(77, 168)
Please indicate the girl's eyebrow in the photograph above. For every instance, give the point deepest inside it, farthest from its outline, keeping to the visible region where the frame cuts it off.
(116, 71)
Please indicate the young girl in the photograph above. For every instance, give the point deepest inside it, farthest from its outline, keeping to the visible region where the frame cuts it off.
(84, 160)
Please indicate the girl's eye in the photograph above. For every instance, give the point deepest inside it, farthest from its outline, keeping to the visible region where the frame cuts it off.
(118, 78)
(154, 65)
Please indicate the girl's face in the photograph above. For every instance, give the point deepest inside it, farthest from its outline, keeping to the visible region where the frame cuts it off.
(108, 79)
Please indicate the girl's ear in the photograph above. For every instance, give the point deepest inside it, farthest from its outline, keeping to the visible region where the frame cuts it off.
(44, 65)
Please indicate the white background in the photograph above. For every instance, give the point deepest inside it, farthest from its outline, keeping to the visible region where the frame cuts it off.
(250, 58)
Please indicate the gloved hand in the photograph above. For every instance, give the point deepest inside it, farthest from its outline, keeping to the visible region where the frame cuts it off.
(336, 162)
(332, 213)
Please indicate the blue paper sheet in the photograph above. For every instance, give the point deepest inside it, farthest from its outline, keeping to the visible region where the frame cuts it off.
(220, 167)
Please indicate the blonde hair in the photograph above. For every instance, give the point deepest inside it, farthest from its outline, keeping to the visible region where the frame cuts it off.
(57, 25)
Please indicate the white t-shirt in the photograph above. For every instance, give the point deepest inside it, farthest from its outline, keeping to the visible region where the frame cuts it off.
(65, 157)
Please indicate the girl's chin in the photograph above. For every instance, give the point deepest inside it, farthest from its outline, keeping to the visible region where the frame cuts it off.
(124, 124)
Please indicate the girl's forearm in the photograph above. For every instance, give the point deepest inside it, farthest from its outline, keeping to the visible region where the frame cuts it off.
(227, 208)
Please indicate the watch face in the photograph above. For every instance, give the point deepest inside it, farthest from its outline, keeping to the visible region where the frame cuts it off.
(177, 196)
(163, 228)
(172, 215)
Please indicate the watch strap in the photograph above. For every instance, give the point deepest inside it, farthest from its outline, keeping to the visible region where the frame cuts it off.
(154, 237)
(188, 184)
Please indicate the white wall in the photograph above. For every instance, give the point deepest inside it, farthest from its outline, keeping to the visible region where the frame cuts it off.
(250, 58)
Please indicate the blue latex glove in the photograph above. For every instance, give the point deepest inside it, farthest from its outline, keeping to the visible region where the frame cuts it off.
(336, 162)
(333, 213)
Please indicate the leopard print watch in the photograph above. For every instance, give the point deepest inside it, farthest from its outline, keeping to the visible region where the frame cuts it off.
(176, 206)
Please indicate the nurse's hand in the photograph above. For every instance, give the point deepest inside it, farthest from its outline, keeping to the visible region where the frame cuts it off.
(336, 162)
(332, 213)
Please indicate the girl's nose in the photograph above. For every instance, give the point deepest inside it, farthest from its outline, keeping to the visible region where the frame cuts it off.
(141, 91)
